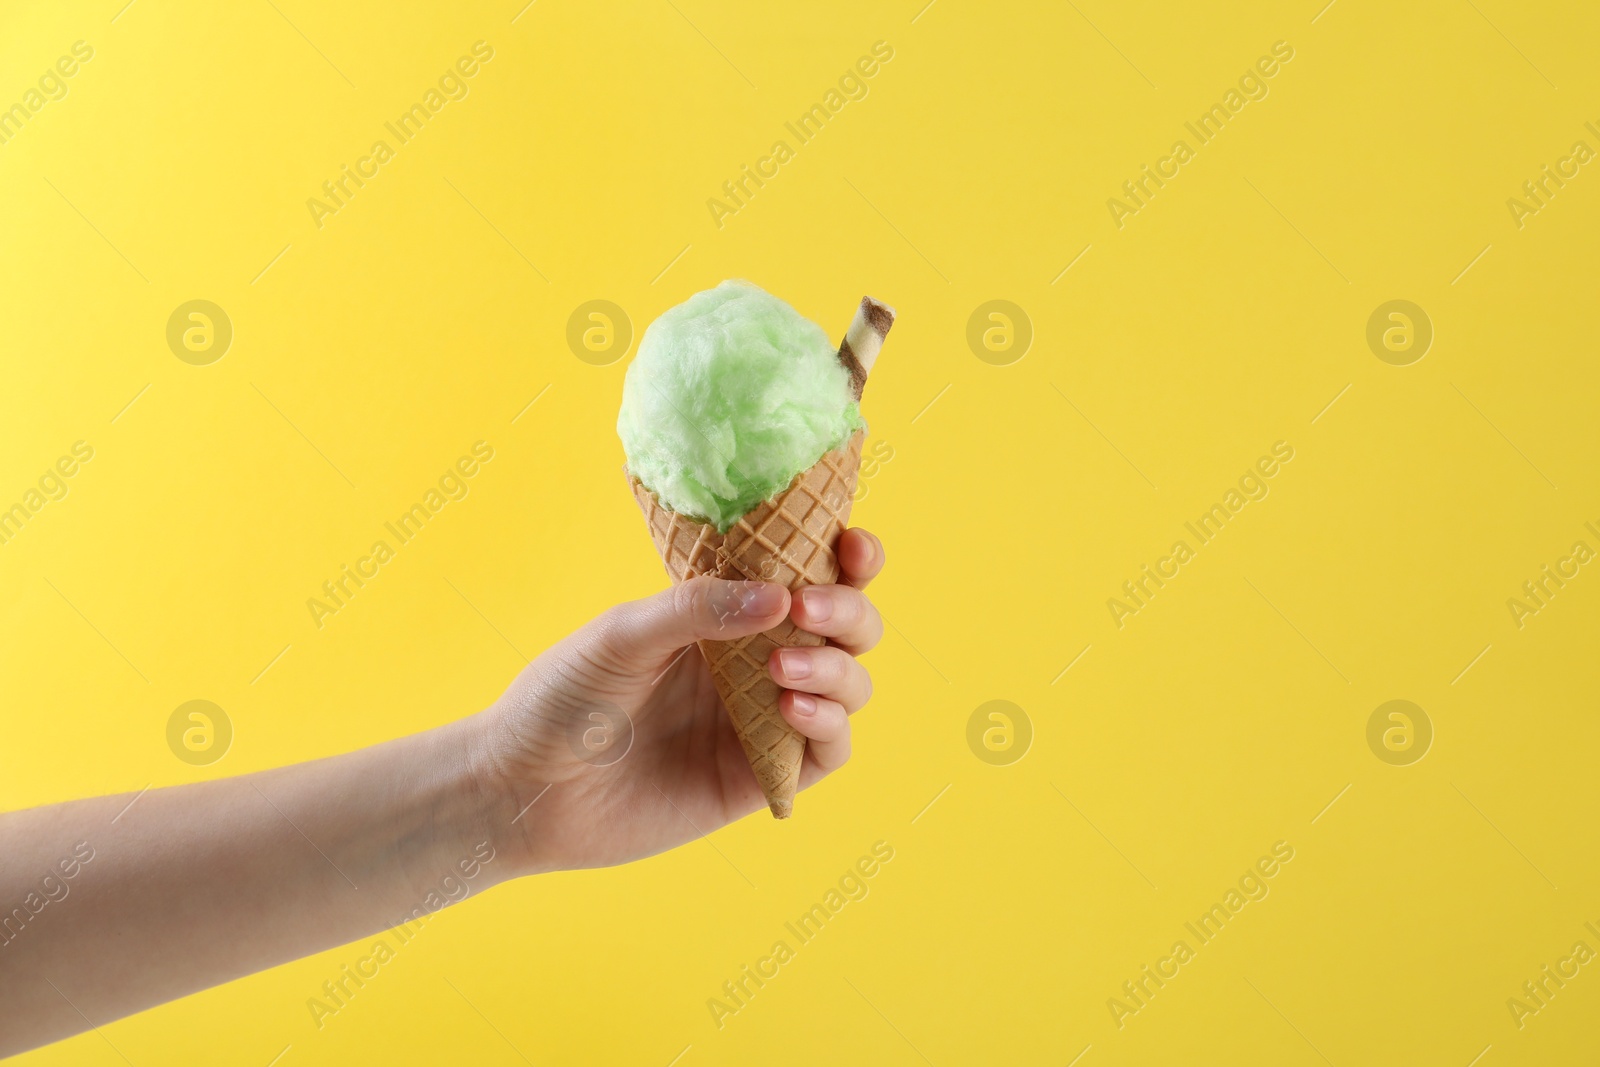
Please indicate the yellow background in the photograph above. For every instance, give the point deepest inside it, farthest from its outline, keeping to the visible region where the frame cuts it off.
(1223, 317)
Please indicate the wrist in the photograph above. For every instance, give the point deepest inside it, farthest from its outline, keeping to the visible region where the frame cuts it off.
(501, 797)
(450, 830)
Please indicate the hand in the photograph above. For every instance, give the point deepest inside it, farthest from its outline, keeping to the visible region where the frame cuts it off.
(685, 773)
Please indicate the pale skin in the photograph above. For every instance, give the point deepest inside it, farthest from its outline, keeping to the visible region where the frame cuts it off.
(193, 885)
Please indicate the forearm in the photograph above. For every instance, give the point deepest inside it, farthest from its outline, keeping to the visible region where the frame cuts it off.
(191, 886)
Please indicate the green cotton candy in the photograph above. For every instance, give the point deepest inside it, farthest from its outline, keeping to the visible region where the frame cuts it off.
(732, 394)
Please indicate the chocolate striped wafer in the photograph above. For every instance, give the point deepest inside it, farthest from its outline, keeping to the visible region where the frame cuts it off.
(864, 340)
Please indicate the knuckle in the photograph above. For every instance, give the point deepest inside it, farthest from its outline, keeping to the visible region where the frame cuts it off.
(687, 599)
(836, 662)
(613, 621)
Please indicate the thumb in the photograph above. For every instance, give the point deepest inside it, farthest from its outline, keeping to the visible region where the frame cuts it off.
(699, 609)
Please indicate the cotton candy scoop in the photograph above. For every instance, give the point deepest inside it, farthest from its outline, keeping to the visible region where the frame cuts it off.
(732, 394)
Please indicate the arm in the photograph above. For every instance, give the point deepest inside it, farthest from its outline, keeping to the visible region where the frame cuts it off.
(115, 904)
(193, 885)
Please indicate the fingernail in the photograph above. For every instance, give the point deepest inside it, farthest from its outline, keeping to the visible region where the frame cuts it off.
(804, 704)
(795, 664)
(818, 605)
(747, 598)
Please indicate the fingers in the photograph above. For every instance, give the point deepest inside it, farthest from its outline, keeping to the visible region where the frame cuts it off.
(838, 612)
(860, 557)
(823, 686)
(825, 725)
(827, 672)
(701, 608)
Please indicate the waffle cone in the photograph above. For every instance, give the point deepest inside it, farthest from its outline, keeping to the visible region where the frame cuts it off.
(790, 539)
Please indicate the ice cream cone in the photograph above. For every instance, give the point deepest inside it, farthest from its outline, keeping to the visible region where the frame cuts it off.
(790, 539)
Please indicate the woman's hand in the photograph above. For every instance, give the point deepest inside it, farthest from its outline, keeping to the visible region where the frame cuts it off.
(614, 743)
(611, 746)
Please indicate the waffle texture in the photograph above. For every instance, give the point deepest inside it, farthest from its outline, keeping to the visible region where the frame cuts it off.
(790, 539)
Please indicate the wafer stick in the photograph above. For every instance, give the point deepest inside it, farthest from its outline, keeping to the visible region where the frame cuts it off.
(864, 340)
